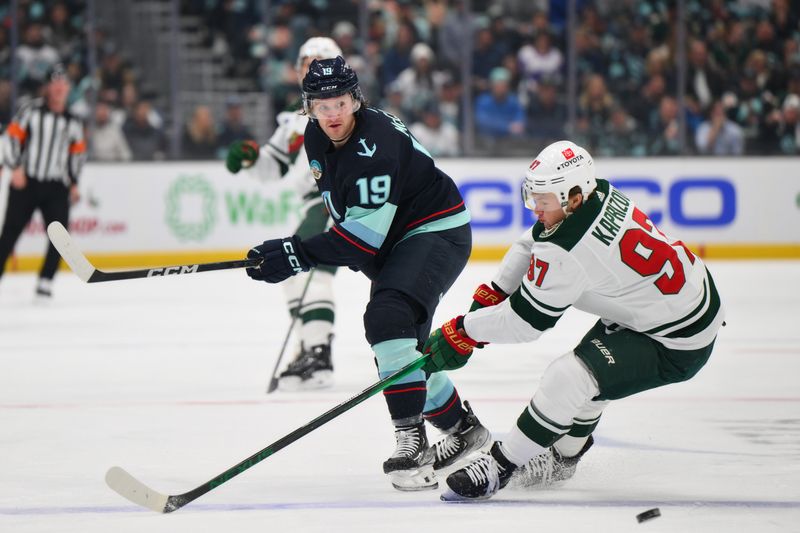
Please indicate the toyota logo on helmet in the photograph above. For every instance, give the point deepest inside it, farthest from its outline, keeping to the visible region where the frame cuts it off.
(558, 169)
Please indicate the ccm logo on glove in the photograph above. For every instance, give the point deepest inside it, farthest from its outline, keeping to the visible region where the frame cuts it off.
(280, 259)
(294, 262)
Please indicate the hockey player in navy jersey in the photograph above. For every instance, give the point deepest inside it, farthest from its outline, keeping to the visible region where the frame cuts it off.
(593, 249)
(402, 222)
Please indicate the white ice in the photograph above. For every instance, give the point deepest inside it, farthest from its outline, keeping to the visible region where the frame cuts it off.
(166, 378)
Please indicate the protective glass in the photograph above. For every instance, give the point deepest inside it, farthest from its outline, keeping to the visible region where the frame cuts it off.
(331, 108)
(541, 201)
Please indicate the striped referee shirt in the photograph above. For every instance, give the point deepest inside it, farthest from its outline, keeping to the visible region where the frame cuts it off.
(49, 145)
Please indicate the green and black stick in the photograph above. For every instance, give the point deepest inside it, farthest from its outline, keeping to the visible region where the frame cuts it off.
(131, 488)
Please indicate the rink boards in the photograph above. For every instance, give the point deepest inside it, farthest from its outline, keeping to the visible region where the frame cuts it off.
(161, 213)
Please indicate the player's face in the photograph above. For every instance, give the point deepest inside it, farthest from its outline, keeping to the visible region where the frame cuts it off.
(335, 116)
(546, 207)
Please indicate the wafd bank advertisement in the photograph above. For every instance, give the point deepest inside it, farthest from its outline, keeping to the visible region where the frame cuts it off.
(158, 213)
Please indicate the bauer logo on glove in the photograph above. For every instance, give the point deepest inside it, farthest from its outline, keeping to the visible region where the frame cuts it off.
(449, 347)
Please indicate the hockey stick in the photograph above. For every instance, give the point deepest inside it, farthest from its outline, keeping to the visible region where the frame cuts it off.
(61, 239)
(273, 380)
(134, 490)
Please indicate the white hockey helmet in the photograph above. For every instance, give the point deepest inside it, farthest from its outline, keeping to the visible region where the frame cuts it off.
(557, 169)
(317, 48)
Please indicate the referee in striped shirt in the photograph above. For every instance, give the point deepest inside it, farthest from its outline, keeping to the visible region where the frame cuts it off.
(45, 150)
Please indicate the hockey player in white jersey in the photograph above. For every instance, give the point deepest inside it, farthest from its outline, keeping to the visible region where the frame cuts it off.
(593, 249)
(284, 157)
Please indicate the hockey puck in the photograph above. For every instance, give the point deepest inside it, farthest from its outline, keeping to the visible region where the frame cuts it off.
(648, 515)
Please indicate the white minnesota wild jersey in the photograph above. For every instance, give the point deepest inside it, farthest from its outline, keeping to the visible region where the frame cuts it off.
(610, 260)
(284, 156)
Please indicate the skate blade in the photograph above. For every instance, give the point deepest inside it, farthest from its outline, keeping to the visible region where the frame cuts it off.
(449, 496)
(414, 480)
(320, 380)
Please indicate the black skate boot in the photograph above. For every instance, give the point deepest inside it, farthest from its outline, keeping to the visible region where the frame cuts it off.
(480, 479)
(548, 468)
(410, 467)
(454, 448)
(312, 369)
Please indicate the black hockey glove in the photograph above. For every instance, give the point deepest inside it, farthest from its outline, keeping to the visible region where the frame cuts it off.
(282, 259)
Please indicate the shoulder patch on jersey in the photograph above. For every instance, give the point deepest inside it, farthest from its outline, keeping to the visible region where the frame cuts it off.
(316, 169)
(567, 234)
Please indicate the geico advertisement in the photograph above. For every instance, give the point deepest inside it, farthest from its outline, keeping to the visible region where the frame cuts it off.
(172, 207)
(200, 206)
(705, 201)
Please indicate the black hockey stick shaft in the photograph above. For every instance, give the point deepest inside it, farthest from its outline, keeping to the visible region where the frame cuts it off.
(87, 272)
(139, 493)
(273, 380)
(99, 275)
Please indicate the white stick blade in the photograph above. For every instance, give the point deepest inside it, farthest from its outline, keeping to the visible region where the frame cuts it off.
(134, 490)
(60, 238)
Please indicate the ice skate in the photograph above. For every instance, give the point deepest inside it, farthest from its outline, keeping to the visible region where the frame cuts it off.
(312, 369)
(43, 294)
(480, 479)
(456, 447)
(548, 468)
(410, 468)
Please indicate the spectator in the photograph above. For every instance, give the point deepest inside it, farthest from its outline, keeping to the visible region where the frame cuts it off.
(199, 135)
(719, 135)
(419, 83)
(751, 112)
(705, 81)
(644, 108)
(789, 132)
(547, 115)
(35, 58)
(145, 141)
(108, 142)
(594, 110)
(393, 102)
(5, 54)
(663, 134)
(5, 104)
(233, 127)
(498, 113)
(486, 55)
(59, 31)
(450, 103)
(454, 34)
(398, 58)
(539, 59)
(620, 136)
(438, 137)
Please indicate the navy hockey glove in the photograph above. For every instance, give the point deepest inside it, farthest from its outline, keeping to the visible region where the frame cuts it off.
(486, 296)
(282, 259)
(449, 347)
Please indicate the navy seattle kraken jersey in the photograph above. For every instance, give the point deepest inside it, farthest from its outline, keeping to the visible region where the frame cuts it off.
(380, 187)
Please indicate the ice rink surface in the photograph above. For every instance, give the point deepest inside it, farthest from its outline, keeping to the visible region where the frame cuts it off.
(166, 378)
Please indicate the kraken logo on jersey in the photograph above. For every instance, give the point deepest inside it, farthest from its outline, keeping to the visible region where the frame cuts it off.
(368, 152)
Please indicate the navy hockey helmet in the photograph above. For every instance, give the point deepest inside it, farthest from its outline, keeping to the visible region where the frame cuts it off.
(329, 78)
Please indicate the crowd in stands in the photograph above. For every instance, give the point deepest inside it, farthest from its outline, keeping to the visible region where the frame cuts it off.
(741, 93)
